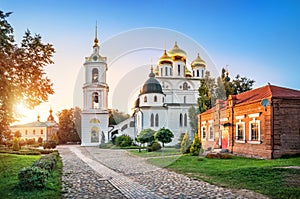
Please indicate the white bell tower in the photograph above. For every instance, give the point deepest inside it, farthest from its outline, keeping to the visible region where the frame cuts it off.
(94, 118)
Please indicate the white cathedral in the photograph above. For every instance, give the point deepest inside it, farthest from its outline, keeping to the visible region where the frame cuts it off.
(163, 101)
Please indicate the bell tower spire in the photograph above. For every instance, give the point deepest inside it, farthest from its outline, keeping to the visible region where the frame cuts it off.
(96, 36)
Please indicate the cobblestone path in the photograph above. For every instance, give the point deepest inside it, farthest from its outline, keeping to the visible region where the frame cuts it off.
(90, 172)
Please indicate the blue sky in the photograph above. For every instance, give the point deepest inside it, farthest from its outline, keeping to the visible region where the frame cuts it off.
(259, 39)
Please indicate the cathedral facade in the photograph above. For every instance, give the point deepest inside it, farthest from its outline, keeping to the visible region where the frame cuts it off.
(163, 101)
(165, 98)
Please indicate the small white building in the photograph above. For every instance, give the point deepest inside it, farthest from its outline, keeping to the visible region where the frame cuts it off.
(37, 129)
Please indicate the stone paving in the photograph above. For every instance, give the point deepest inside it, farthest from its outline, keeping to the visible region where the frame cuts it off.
(90, 172)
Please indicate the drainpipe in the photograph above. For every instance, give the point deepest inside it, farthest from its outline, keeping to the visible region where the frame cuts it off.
(272, 129)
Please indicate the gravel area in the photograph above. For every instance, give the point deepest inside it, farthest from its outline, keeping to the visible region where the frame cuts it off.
(90, 172)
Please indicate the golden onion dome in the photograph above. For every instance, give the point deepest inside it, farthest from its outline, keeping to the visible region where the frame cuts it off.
(165, 58)
(177, 52)
(188, 72)
(198, 62)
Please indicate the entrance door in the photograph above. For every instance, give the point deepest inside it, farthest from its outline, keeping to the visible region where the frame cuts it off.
(225, 137)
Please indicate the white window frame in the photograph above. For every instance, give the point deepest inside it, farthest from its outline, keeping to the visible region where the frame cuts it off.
(258, 141)
(203, 138)
(209, 132)
(237, 133)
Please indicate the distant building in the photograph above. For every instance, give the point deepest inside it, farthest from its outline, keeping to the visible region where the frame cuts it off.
(37, 129)
(262, 123)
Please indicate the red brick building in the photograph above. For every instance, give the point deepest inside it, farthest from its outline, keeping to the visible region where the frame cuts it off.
(262, 123)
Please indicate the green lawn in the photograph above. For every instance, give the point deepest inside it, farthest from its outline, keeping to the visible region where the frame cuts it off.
(262, 176)
(161, 153)
(11, 164)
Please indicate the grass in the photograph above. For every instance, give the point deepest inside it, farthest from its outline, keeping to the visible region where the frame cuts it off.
(11, 164)
(262, 176)
(160, 153)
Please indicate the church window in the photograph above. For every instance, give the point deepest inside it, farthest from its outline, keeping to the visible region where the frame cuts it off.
(156, 120)
(180, 119)
(170, 71)
(95, 75)
(166, 71)
(95, 100)
(184, 99)
(155, 98)
(26, 132)
(193, 73)
(33, 132)
(178, 69)
(152, 120)
(41, 132)
(145, 99)
(197, 73)
(163, 99)
(161, 72)
(202, 71)
(185, 119)
(185, 86)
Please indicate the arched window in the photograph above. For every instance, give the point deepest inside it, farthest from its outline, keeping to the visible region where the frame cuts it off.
(33, 132)
(170, 71)
(184, 99)
(156, 120)
(166, 71)
(178, 69)
(193, 73)
(163, 99)
(185, 86)
(202, 71)
(145, 99)
(180, 119)
(41, 131)
(197, 73)
(161, 72)
(155, 98)
(95, 100)
(152, 120)
(185, 119)
(95, 75)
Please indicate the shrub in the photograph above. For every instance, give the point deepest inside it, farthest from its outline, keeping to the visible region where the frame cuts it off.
(218, 156)
(32, 177)
(40, 140)
(196, 146)
(185, 144)
(154, 147)
(15, 144)
(49, 144)
(124, 141)
(30, 141)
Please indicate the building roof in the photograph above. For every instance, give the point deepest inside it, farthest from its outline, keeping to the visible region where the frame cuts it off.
(152, 85)
(268, 91)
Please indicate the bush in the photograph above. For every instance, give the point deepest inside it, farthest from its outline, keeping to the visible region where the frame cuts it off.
(154, 147)
(15, 145)
(124, 141)
(49, 144)
(218, 156)
(30, 141)
(32, 177)
(185, 144)
(196, 146)
(40, 140)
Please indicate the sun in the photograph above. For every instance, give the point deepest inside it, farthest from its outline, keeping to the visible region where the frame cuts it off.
(24, 114)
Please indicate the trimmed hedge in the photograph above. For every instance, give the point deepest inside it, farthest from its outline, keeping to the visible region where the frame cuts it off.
(36, 176)
(155, 146)
(219, 156)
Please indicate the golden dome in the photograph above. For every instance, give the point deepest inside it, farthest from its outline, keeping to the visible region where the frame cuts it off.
(188, 72)
(198, 62)
(165, 58)
(177, 52)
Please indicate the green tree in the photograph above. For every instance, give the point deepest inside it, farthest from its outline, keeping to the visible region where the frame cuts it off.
(206, 93)
(146, 136)
(77, 120)
(15, 144)
(164, 136)
(22, 75)
(67, 129)
(196, 146)
(124, 140)
(116, 117)
(193, 112)
(185, 144)
(242, 84)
